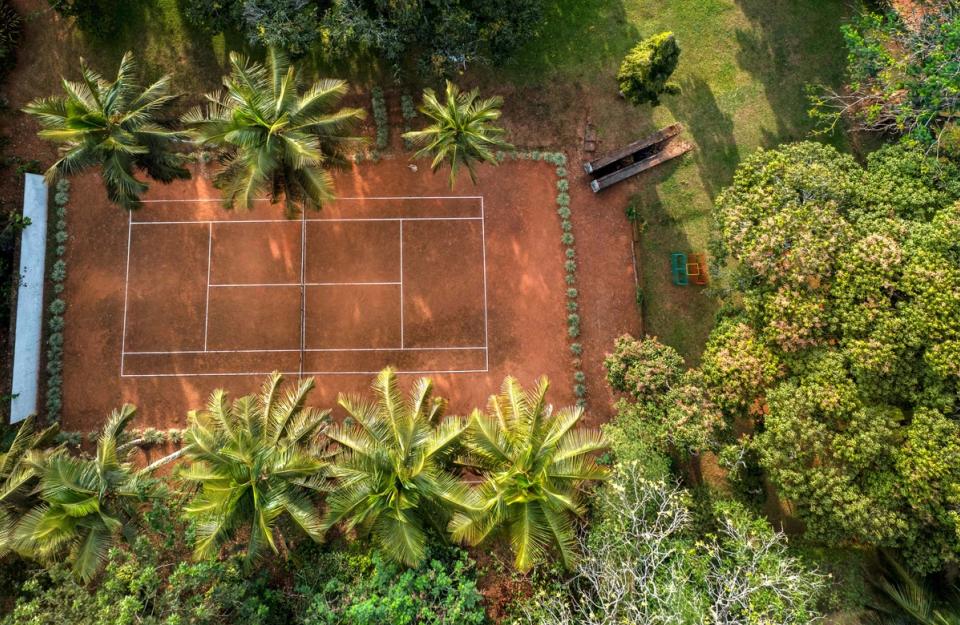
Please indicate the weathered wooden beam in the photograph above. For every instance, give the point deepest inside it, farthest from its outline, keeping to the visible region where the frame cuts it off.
(673, 150)
(658, 137)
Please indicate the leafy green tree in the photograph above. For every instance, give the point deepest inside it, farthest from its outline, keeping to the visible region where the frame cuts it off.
(20, 469)
(679, 412)
(843, 340)
(645, 72)
(272, 137)
(87, 504)
(902, 77)
(462, 132)
(390, 467)
(113, 125)
(256, 461)
(534, 465)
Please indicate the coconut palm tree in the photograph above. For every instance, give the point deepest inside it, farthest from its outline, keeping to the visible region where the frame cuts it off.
(87, 503)
(113, 125)
(20, 469)
(272, 138)
(256, 461)
(911, 600)
(534, 463)
(390, 467)
(462, 132)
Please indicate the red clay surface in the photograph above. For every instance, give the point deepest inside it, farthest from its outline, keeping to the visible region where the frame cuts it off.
(469, 288)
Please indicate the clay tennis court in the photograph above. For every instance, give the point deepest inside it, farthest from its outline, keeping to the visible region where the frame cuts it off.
(464, 285)
(330, 293)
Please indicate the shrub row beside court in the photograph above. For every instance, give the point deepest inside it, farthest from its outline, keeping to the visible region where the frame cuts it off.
(57, 306)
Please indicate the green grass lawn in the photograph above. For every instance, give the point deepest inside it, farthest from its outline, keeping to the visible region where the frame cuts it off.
(743, 70)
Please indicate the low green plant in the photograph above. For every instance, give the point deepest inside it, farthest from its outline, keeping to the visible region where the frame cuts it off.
(354, 587)
(379, 105)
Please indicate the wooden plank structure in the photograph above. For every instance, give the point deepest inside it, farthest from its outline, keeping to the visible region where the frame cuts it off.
(637, 157)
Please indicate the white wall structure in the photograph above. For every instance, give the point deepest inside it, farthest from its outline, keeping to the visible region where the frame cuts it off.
(29, 332)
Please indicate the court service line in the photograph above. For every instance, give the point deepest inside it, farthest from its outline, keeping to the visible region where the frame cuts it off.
(126, 290)
(289, 284)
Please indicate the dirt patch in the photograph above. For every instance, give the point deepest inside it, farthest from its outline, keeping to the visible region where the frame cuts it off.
(213, 299)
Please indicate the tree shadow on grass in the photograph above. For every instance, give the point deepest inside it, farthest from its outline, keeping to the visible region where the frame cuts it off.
(680, 316)
(716, 154)
(793, 43)
(576, 35)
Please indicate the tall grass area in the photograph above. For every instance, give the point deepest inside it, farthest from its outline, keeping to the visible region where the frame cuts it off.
(743, 69)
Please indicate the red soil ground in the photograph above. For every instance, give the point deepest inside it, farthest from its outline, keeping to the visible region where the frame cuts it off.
(442, 300)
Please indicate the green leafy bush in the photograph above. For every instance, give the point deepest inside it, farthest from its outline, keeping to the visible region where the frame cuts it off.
(287, 24)
(645, 73)
(363, 588)
(291, 25)
(379, 104)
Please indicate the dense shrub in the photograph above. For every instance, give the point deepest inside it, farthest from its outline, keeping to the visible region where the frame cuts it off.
(10, 25)
(287, 24)
(441, 35)
(363, 588)
(678, 412)
(645, 72)
(291, 25)
(646, 562)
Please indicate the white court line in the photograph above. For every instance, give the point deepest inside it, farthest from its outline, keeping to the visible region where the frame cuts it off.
(126, 289)
(309, 373)
(357, 198)
(483, 248)
(286, 221)
(303, 288)
(401, 285)
(308, 349)
(206, 310)
(288, 284)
